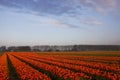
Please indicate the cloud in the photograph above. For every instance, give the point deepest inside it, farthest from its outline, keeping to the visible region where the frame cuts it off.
(45, 20)
(56, 7)
(92, 21)
(109, 3)
(100, 6)
(42, 19)
(59, 8)
(54, 23)
(106, 6)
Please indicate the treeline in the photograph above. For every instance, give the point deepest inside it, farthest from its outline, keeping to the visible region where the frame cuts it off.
(62, 48)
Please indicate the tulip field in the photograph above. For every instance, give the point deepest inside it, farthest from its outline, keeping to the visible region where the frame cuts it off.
(95, 65)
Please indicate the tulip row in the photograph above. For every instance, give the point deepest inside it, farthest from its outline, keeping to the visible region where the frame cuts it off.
(102, 59)
(101, 66)
(97, 65)
(3, 68)
(72, 67)
(87, 58)
(26, 72)
(99, 53)
(60, 72)
(91, 71)
(95, 55)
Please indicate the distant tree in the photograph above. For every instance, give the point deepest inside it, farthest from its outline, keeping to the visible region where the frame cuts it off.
(23, 48)
(75, 48)
(3, 48)
(12, 48)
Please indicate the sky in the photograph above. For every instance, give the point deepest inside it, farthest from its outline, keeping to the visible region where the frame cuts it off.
(59, 22)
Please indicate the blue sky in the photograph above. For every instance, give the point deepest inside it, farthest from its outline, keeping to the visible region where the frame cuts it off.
(59, 22)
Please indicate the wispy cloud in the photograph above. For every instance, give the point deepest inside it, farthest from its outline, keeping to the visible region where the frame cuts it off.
(43, 20)
(100, 6)
(58, 8)
(106, 6)
(54, 23)
(92, 22)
